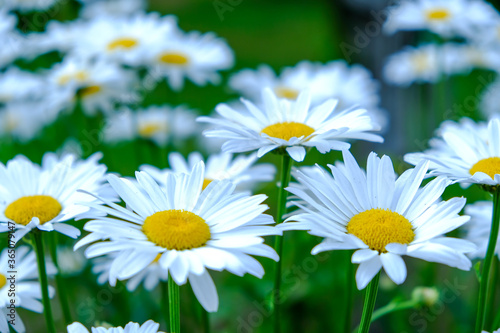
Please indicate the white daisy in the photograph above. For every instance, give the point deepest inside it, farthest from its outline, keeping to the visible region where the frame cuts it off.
(447, 18)
(466, 152)
(92, 8)
(490, 100)
(58, 36)
(381, 217)
(350, 85)
(45, 196)
(28, 5)
(99, 84)
(479, 227)
(193, 230)
(16, 85)
(240, 170)
(148, 327)
(28, 293)
(462, 58)
(192, 55)
(290, 125)
(127, 40)
(8, 21)
(421, 64)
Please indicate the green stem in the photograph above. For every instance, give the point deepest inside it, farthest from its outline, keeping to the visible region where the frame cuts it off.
(42, 276)
(370, 297)
(497, 320)
(286, 168)
(391, 307)
(486, 285)
(490, 301)
(349, 291)
(174, 306)
(60, 283)
(205, 319)
(165, 306)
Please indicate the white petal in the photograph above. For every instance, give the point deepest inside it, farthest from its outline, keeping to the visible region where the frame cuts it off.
(394, 266)
(367, 271)
(297, 153)
(205, 291)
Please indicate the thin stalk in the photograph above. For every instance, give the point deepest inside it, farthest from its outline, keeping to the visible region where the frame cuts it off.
(349, 291)
(60, 283)
(205, 319)
(369, 306)
(490, 301)
(486, 284)
(286, 167)
(389, 308)
(42, 276)
(174, 306)
(165, 306)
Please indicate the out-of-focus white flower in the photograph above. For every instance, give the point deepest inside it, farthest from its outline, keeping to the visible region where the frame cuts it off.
(70, 262)
(148, 327)
(411, 65)
(490, 100)
(28, 5)
(7, 21)
(16, 85)
(99, 84)
(119, 8)
(479, 227)
(194, 56)
(58, 36)
(462, 58)
(447, 18)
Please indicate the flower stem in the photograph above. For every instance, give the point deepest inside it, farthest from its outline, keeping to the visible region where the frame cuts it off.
(370, 297)
(486, 285)
(42, 276)
(205, 319)
(60, 283)
(349, 291)
(391, 307)
(174, 306)
(286, 167)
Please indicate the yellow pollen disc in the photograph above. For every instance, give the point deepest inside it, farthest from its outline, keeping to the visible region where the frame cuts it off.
(148, 130)
(437, 14)
(90, 90)
(378, 227)
(490, 166)
(3, 280)
(420, 62)
(206, 182)
(77, 76)
(173, 58)
(287, 93)
(288, 130)
(24, 209)
(176, 229)
(122, 43)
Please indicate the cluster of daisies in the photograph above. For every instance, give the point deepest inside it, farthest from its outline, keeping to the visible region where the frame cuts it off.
(462, 35)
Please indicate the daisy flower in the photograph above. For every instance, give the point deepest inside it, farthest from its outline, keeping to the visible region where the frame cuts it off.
(119, 8)
(466, 152)
(240, 170)
(380, 216)
(28, 5)
(447, 18)
(291, 125)
(126, 40)
(16, 85)
(148, 327)
(45, 196)
(490, 100)
(195, 56)
(479, 227)
(463, 58)
(28, 291)
(411, 65)
(192, 229)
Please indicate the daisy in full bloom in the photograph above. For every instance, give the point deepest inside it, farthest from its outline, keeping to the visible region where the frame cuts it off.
(462, 58)
(479, 227)
(148, 327)
(125, 39)
(447, 18)
(118, 8)
(99, 84)
(195, 56)
(466, 152)
(240, 170)
(351, 85)
(191, 229)
(380, 216)
(16, 85)
(45, 196)
(291, 125)
(28, 293)
(421, 64)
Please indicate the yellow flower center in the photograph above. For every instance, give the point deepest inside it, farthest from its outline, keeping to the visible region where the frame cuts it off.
(90, 90)
(24, 209)
(288, 130)
(150, 129)
(287, 93)
(122, 43)
(438, 14)
(378, 227)
(420, 62)
(176, 229)
(490, 166)
(173, 58)
(3, 280)
(77, 76)
(206, 182)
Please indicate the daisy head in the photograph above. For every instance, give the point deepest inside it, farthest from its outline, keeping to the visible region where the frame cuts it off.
(148, 327)
(240, 170)
(45, 196)
(191, 229)
(381, 216)
(290, 126)
(466, 152)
